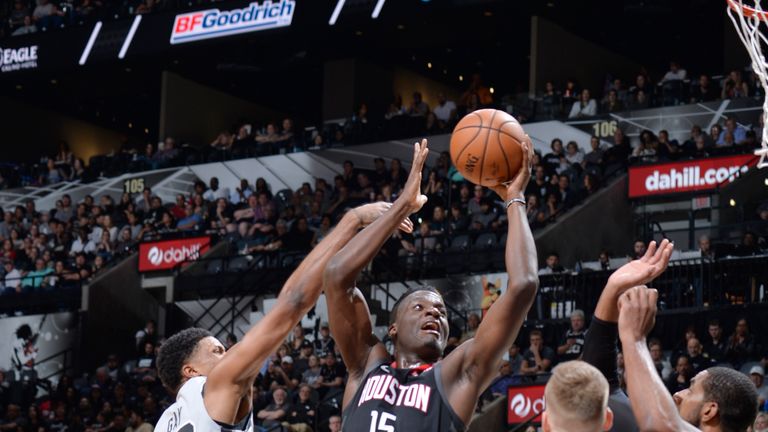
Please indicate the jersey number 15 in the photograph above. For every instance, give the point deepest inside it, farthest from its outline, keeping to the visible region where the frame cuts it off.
(385, 422)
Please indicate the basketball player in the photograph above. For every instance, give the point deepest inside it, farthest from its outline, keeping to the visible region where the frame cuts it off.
(215, 389)
(419, 392)
(600, 343)
(718, 400)
(576, 399)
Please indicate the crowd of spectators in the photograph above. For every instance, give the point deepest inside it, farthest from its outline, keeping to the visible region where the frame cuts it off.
(676, 87)
(20, 17)
(55, 251)
(258, 220)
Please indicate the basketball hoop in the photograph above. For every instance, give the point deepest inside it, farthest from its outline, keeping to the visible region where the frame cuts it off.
(747, 20)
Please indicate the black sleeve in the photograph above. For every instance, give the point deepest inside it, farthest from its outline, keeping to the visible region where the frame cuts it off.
(600, 349)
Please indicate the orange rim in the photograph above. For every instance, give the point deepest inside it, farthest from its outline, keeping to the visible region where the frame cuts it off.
(747, 11)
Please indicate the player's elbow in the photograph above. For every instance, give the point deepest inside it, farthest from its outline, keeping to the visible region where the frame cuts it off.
(659, 423)
(659, 426)
(525, 286)
(335, 275)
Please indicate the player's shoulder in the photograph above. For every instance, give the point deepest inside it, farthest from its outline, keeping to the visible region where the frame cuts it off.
(170, 420)
(192, 387)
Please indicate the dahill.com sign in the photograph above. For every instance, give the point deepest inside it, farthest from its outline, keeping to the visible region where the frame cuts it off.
(13, 59)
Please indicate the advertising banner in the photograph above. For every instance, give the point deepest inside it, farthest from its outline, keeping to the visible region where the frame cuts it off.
(524, 402)
(687, 176)
(215, 23)
(167, 254)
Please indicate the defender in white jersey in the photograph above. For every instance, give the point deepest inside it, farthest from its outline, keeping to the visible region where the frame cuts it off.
(214, 387)
(188, 414)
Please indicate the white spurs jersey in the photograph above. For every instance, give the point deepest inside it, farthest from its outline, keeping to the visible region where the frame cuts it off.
(188, 413)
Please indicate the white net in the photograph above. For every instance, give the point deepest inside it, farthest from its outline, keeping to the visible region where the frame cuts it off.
(747, 19)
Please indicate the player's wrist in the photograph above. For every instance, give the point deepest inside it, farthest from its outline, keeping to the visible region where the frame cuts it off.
(515, 194)
(632, 340)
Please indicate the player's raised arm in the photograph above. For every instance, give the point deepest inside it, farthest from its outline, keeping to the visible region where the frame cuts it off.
(233, 376)
(471, 367)
(632, 274)
(600, 342)
(348, 313)
(652, 404)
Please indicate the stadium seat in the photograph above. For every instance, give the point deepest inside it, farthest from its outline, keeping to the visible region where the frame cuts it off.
(459, 243)
(215, 266)
(485, 241)
(240, 263)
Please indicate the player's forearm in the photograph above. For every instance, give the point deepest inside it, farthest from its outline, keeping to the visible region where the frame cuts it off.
(502, 323)
(304, 286)
(652, 405)
(520, 254)
(607, 309)
(342, 270)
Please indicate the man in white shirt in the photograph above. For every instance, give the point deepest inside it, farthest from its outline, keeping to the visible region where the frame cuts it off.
(12, 278)
(241, 194)
(215, 192)
(675, 73)
(584, 107)
(757, 375)
(445, 110)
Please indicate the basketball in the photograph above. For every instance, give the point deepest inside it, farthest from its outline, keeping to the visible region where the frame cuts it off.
(486, 147)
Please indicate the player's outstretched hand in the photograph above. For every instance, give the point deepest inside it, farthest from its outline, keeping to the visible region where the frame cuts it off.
(645, 269)
(515, 188)
(637, 313)
(411, 195)
(368, 213)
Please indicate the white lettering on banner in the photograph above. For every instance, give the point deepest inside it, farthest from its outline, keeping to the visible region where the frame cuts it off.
(388, 389)
(522, 405)
(691, 177)
(213, 23)
(12, 59)
(172, 255)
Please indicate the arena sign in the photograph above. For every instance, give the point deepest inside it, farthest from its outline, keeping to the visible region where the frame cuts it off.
(13, 59)
(525, 403)
(167, 254)
(214, 23)
(688, 176)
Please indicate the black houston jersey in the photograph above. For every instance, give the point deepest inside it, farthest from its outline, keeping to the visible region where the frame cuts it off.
(400, 400)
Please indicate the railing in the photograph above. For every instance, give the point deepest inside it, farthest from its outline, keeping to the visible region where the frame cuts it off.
(40, 297)
(370, 278)
(686, 285)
